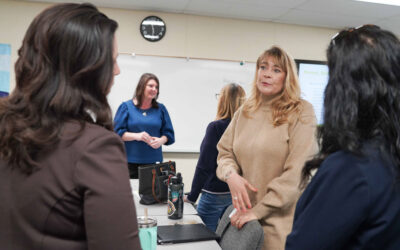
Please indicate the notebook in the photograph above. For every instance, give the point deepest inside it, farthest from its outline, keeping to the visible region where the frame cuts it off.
(184, 233)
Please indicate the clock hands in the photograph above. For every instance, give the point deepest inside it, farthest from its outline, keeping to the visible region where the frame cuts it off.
(153, 28)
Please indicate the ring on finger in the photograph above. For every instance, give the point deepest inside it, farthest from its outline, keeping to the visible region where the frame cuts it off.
(235, 197)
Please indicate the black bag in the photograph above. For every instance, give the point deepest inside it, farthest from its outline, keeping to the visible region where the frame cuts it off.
(153, 182)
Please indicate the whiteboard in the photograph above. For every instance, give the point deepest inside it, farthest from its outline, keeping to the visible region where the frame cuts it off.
(187, 89)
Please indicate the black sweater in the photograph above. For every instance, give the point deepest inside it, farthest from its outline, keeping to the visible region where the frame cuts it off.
(205, 177)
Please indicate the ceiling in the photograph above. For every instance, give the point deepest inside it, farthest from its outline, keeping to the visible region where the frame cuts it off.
(322, 13)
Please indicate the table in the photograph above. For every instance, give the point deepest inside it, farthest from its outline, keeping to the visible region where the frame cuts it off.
(159, 212)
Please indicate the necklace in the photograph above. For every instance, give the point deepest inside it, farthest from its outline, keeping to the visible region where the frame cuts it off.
(144, 113)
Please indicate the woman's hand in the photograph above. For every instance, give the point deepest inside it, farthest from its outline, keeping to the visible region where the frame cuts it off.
(240, 218)
(238, 187)
(144, 136)
(185, 199)
(157, 142)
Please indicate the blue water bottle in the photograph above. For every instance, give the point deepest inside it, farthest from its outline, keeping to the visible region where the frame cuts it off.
(175, 197)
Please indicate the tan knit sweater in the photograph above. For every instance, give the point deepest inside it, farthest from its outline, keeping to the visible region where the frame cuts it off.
(271, 159)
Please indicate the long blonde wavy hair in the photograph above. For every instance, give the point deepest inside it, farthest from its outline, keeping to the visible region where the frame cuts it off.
(231, 98)
(288, 101)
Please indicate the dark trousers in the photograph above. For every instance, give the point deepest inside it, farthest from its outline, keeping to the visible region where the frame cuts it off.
(134, 169)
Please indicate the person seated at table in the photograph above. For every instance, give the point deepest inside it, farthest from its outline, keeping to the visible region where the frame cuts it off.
(215, 197)
(353, 201)
(63, 177)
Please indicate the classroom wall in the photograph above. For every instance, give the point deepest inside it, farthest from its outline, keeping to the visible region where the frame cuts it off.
(187, 36)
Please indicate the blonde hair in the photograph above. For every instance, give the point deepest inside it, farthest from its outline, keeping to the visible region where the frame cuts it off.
(231, 98)
(288, 101)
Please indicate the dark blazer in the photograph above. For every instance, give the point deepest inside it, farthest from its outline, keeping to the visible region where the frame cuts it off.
(353, 202)
(80, 198)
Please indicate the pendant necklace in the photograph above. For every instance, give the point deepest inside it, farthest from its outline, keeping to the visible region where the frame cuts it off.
(144, 113)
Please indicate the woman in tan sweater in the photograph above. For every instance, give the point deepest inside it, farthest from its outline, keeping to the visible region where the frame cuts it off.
(264, 148)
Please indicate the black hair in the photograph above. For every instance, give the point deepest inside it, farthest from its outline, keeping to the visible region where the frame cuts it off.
(362, 98)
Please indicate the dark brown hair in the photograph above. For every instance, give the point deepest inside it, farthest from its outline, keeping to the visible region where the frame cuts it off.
(64, 72)
(139, 92)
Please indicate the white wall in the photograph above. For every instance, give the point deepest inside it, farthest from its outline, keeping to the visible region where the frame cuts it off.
(187, 36)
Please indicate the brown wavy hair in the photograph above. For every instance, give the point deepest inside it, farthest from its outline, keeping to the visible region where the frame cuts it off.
(63, 73)
(288, 101)
(139, 92)
(231, 98)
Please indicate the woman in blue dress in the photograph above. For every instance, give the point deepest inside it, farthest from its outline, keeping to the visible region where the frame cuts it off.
(215, 196)
(144, 125)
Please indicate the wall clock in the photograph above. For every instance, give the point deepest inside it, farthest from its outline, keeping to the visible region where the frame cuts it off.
(153, 28)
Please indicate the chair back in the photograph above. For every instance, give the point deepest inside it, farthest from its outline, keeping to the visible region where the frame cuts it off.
(249, 237)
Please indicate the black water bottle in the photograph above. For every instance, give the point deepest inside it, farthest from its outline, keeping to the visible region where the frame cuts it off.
(175, 197)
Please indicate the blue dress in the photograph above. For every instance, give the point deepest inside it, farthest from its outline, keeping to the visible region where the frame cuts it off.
(215, 196)
(155, 121)
(353, 202)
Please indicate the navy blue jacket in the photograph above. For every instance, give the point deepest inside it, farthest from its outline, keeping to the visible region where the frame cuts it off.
(353, 202)
(205, 176)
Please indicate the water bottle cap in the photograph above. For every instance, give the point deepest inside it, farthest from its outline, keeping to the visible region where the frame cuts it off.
(177, 179)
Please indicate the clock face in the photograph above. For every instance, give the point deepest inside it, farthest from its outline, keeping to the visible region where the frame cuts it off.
(153, 28)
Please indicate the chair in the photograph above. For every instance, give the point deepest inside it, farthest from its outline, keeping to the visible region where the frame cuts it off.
(249, 237)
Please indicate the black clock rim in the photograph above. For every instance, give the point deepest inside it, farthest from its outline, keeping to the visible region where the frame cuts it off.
(155, 40)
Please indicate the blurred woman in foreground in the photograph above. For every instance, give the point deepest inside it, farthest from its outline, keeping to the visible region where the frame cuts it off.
(63, 177)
